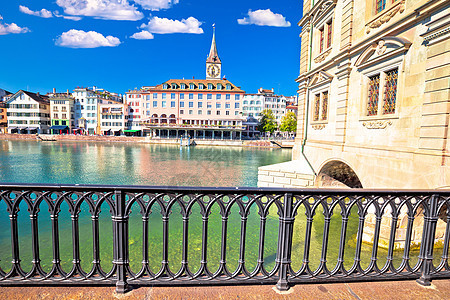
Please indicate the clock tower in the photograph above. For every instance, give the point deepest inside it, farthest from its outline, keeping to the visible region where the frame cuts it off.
(213, 63)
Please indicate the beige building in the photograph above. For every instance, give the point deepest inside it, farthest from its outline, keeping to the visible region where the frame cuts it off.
(113, 118)
(62, 113)
(373, 90)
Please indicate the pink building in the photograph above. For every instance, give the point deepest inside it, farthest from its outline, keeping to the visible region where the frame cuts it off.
(199, 108)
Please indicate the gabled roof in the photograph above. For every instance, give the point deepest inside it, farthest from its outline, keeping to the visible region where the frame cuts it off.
(36, 97)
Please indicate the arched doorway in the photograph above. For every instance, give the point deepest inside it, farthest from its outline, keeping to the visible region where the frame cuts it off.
(337, 174)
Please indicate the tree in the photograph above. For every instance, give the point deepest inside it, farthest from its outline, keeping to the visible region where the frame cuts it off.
(267, 122)
(289, 122)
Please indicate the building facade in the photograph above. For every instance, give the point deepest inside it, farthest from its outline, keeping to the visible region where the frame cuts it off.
(200, 108)
(113, 118)
(28, 113)
(373, 95)
(62, 113)
(87, 100)
(254, 104)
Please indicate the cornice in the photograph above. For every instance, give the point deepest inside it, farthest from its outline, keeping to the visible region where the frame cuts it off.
(385, 16)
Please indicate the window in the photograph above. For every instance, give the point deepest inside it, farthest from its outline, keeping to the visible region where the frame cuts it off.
(210, 86)
(200, 96)
(191, 104)
(183, 86)
(321, 32)
(191, 86)
(209, 96)
(382, 86)
(236, 97)
(191, 112)
(199, 112)
(172, 96)
(218, 112)
(227, 97)
(227, 105)
(201, 86)
(191, 96)
(165, 86)
(381, 5)
(228, 86)
(148, 105)
(172, 103)
(163, 104)
(200, 104)
(218, 96)
(218, 105)
(208, 105)
(236, 105)
(174, 86)
(181, 103)
(329, 33)
(208, 112)
(181, 112)
(181, 96)
(219, 86)
(155, 103)
(227, 113)
(320, 112)
(164, 95)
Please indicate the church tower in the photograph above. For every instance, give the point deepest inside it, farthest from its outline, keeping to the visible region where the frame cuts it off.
(213, 63)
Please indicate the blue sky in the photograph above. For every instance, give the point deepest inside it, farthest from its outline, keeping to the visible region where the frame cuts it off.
(124, 44)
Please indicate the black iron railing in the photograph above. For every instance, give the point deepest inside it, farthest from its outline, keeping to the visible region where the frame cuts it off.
(282, 236)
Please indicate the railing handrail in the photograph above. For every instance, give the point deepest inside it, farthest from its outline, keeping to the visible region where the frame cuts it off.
(399, 205)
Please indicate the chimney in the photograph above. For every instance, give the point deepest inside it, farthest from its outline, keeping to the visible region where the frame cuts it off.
(54, 91)
(68, 92)
(38, 94)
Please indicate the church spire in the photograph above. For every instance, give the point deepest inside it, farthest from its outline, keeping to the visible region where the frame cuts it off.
(213, 55)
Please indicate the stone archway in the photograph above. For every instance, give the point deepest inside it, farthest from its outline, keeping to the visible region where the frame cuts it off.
(336, 173)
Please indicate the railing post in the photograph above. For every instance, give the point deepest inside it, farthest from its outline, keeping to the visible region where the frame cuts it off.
(121, 242)
(429, 233)
(285, 242)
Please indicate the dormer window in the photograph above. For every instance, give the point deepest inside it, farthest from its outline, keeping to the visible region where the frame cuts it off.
(228, 86)
(191, 86)
(210, 86)
(219, 86)
(165, 86)
(201, 86)
(183, 86)
(174, 86)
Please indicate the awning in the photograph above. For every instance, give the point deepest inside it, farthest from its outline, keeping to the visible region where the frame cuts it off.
(12, 127)
(129, 130)
(22, 128)
(59, 127)
(32, 128)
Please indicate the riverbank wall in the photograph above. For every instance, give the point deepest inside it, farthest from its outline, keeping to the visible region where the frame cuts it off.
(134, 139)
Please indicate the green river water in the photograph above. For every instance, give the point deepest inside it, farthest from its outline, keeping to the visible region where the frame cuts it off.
(144, 164)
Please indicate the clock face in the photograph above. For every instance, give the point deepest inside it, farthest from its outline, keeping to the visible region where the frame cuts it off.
(213, 71)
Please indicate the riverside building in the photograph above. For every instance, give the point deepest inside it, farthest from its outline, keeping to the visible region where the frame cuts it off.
(61, 113)
(373, 96)
(254, 104)
(199, 108)
(87, 100)
(28, 113)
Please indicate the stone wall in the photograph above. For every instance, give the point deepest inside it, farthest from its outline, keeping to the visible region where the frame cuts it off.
(292, 174)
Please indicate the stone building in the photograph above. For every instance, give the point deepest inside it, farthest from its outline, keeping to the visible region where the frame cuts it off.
(61, 113)
(373, 90)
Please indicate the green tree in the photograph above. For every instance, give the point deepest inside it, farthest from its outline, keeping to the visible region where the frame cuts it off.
(289, 122)
(267, 122)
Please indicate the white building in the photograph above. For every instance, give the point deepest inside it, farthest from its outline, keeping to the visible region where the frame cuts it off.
(87, 100)
(113, 118)
(254, 104)
(28, 113)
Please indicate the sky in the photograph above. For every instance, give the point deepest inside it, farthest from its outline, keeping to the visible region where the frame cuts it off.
(121, 45)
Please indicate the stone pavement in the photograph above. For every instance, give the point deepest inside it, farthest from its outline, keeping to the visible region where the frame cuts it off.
(392, 290)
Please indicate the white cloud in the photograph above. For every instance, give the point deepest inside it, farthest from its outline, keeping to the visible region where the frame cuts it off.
(164, 25)
(265, 17)
(143, 35)
(156, 4)
(73, 18)
(11, 28)
(81, 39)
(43, 13)
(101, 9)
